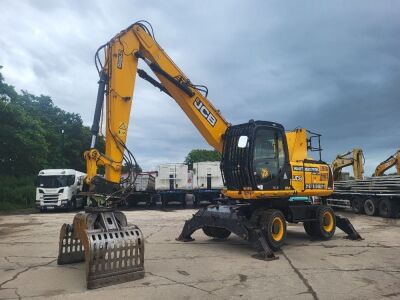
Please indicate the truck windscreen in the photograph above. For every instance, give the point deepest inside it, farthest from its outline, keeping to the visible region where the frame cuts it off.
(55, 181)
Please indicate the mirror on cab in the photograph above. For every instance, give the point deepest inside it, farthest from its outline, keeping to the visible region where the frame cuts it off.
(242, 142)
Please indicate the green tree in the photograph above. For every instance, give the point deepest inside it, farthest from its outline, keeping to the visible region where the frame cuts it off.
(35, 134)
(198, 155)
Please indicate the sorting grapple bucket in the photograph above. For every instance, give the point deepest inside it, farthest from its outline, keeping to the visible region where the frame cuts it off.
(112, 249)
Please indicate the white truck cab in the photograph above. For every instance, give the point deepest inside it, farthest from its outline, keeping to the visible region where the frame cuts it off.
(59, 188)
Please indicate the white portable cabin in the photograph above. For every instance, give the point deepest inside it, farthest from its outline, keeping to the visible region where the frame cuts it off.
(172, 176)
(207, 175)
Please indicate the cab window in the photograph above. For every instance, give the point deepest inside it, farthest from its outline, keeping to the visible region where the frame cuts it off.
(269, 155)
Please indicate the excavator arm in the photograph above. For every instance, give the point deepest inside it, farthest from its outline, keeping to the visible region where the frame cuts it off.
(117, 81)
(391, 161)
(353, 158)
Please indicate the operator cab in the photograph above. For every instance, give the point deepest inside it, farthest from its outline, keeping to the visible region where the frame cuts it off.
(255, 157)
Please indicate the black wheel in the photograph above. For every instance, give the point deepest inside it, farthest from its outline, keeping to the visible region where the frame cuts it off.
(216, 232)
(311, 228)
(388, 208)
(74, 204)
(151, 202)
(357, 204)
(164, 203)
(370, 207)
(325, 225)
(184, 204)
(273, 226)
(326, 222)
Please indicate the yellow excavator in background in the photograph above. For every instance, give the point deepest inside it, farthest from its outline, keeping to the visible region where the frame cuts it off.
(391, 161)
(353, 158)
(263, 166)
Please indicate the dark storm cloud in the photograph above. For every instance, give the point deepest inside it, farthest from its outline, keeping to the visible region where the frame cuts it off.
(332, 67)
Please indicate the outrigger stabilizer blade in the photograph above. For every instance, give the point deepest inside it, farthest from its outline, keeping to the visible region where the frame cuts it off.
(112, 249)
(345, 225)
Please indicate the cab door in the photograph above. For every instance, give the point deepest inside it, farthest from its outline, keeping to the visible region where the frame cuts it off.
(270, 159)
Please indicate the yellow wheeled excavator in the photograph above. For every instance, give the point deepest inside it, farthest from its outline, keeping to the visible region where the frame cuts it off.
(263, 166)
(391, 161)
(353, 158)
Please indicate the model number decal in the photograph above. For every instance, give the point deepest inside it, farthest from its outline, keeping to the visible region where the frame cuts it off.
(205, 112)
(315, 186)
(307, 169)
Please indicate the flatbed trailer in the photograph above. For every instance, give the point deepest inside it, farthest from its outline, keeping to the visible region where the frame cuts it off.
(373, 196)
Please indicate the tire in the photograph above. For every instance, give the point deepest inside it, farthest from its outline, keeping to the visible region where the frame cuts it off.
(326, 222)
(151, 203)
(370, 207)
(325, 225)
(164, 203)
(195, 204)
(273, 227)
(357, 204)
(216, 232)
(310, 228)
(388, 208)
(72, 204)
(184, 204)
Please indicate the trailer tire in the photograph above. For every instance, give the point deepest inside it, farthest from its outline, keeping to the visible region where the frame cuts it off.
(184, 204)
(151, 203)
(388, 208)
(195, 203)
(357, 205)
(216, 232)
(370, 207)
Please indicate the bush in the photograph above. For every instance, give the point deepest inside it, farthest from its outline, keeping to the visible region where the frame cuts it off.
(17, 192)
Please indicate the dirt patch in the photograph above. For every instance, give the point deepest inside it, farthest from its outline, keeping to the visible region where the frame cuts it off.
(12, 228)
(16, 225)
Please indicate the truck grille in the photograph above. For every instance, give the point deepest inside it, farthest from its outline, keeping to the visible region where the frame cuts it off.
(50, 198)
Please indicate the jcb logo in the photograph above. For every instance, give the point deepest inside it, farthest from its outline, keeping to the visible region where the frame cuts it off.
(205, 112)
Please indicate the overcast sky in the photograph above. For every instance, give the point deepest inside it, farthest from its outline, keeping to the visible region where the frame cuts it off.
(330, 66)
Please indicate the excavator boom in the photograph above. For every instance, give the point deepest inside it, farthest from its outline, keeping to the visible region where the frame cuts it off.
(117, 81)
(393, 160)
(354, 158)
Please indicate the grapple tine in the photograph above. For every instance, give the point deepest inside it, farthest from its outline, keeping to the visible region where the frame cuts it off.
(70, 248)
